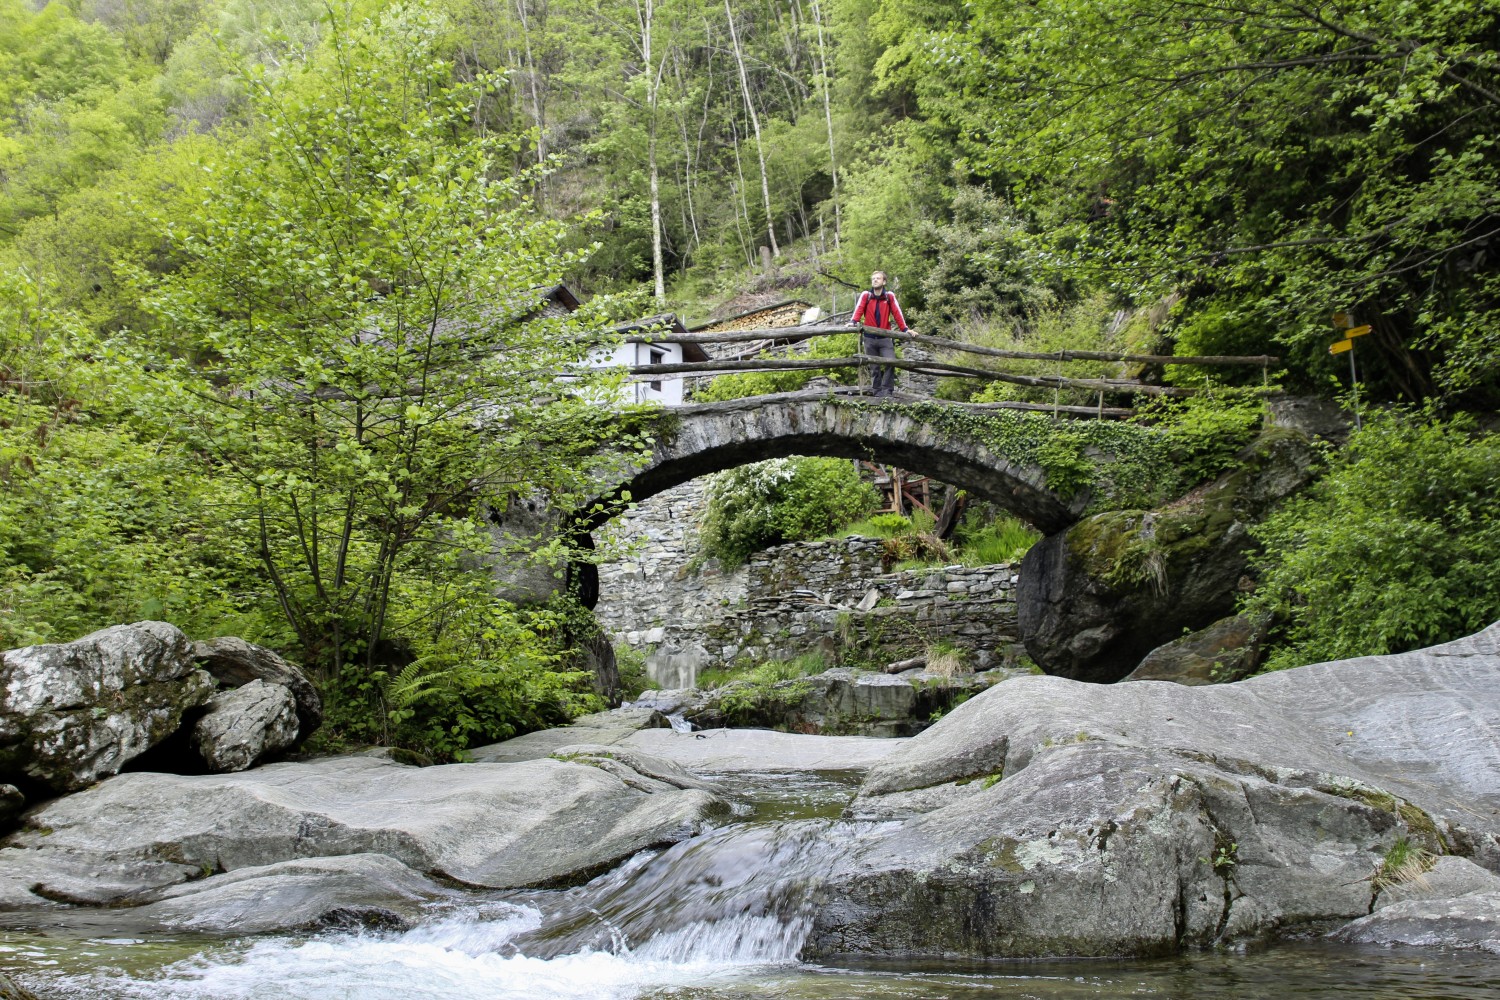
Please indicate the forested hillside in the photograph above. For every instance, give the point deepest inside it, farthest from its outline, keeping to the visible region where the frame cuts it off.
(229, 228)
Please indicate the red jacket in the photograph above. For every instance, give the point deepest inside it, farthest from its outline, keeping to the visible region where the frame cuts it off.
(878, 311)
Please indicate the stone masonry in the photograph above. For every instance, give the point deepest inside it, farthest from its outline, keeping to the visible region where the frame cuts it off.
(828, 596)
(660, 581)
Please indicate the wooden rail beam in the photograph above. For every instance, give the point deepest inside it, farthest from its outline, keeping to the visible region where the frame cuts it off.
(799, 333)
(921, 367)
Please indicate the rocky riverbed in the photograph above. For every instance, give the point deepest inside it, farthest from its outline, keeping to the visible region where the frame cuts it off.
(1044, 817)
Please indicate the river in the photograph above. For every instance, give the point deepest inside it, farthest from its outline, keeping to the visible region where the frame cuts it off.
(723, 915)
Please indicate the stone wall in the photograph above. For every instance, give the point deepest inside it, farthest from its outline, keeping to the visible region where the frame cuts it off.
(659, 581)
(829, 596)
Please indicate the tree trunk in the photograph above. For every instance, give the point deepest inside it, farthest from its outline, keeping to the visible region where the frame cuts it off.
(645, 13)
(833, 162)
(538, 109)
(760, 149)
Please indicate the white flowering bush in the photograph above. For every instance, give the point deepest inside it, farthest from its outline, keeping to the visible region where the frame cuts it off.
(783, 500)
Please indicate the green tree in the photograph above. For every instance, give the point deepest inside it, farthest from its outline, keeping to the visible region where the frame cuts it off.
(361, 282)
(1283, 159)
(784, 500)
(1393, 549)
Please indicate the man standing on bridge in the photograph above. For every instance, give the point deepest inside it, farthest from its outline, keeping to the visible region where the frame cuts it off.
(876, 310)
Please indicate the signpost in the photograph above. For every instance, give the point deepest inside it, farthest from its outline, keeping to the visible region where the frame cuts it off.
(1341, 321)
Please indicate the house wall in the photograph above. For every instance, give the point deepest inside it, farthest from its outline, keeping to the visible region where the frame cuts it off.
(665, 389)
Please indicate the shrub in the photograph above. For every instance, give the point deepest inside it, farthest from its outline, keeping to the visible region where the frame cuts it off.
(913, 549)
(1204, 433)
(493, 672)
(1393, 549)
(1004, 540)
(784, 500)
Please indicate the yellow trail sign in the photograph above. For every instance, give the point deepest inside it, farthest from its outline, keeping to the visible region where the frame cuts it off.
(1339, 347)
(1358, 331)
(1341, 320)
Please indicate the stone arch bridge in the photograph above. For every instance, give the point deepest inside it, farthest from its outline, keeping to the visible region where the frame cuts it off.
(712, 437)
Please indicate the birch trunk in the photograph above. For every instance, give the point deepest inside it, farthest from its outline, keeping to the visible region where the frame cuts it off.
(833, 162)
(760, 149)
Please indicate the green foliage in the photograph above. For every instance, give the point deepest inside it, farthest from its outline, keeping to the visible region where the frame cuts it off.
(1204, 433)
(69, 108)
(1403, 862)
(911, 549)
(1393, 549)
(762, 693)
(1128, 473)
(631, 663)
(1004, 540)
(1091, 323)
(886, 525)
(784, 500)
(100, 521)
(378, 341)
(1225, 858)
(764, 674)
(1277, 160)
(977, 270)
(490, 672)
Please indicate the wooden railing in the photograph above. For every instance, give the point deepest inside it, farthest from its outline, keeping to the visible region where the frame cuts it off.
(1101, 386)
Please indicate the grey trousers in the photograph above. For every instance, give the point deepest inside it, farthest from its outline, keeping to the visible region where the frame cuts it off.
(885, 376)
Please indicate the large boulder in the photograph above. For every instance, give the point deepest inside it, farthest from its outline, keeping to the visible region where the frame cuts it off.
(72, 713)
(1094, 599)
(246, 725)
(233, 662)
(1051, 817)
(364, 890)
(1227, 650)
(540, 822)
(1471, 921)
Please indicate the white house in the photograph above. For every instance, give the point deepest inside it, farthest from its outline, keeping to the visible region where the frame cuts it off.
(664, 389)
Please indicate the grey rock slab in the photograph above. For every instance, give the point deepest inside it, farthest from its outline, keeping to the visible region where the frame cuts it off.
(544, 743)
(233, 662)
(634, 767)
(72, 713)
(1450, 876)
(598, 728)
(719, 751)
(1471, 921)
(291, 895)
(44, 878)
(1048, 817)
(1098, 849)
(491, 825)
(245, 725)
(1424, 726)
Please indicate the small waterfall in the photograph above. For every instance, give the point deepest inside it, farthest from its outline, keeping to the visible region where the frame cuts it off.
(741, 895)
(733, 903)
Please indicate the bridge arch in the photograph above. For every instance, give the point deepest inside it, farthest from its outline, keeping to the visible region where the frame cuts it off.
(713, 437)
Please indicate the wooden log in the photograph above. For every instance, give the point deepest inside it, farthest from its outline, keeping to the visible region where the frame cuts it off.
(797, 333)
(924, 367)
(915, 663)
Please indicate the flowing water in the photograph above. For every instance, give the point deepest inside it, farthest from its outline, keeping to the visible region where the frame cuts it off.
(720, 917)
